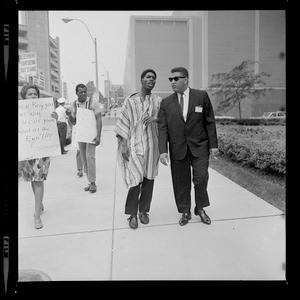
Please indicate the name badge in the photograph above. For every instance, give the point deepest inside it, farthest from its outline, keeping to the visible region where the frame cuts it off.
(198, 109)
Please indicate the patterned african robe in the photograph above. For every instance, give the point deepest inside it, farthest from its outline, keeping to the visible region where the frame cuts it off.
(142, 140)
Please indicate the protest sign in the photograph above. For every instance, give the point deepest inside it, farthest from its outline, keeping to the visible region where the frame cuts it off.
(28, 64)
(38, 135)
(86, 128)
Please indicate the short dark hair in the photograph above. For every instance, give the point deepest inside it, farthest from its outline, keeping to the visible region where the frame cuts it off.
(80, 85)
(147, 71)
(26, 87)
(182, 70)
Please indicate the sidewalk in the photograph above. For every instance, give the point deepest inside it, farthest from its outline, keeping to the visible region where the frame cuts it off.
(87, 237)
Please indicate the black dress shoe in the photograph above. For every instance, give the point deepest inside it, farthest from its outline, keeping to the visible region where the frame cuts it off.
(203, 216)
(185, 218)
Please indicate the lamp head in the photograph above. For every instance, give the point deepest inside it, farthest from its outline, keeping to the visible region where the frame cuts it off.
(67, 20)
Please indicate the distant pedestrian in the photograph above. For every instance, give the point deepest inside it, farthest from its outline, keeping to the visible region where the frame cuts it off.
(36, 170)
(62, 123)
(187, 124)
(138, 152)
(88, 150)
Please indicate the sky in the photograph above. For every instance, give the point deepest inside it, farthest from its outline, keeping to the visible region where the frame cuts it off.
(77, 49)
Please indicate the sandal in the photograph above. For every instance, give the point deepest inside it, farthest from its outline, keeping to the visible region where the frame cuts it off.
(37, 222)
(87, 188)
(133, 222)
(93, 188)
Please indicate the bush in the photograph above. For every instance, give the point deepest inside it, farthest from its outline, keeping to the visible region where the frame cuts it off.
(251, 122)
(254, 147)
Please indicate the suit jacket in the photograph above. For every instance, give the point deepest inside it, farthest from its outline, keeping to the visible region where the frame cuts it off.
(198, 132)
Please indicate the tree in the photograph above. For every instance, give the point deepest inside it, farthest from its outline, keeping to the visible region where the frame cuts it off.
(240, 83)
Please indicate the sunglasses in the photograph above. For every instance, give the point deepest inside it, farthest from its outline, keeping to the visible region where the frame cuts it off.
(175, 78)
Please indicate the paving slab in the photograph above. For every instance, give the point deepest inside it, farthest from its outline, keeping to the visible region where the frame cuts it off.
(87, 237)
(233, 250)
(68, 257)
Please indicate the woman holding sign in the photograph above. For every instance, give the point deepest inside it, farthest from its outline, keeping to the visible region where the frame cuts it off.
(35, 170)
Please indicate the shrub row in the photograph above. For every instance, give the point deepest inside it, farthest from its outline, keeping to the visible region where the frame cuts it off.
(255, 148)
(251, 122)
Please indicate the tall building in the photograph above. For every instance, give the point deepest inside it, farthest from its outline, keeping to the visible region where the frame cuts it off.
(157, 43)
(65, 91)
(34, 38)
(206, 43)
(56, 88)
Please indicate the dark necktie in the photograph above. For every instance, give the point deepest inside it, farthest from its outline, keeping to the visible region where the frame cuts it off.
(181, 102)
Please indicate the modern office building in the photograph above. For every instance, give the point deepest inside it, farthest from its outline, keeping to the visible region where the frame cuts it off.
(206, 43)
(34, 38)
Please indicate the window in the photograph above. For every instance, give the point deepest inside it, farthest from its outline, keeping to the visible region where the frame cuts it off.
(22, 17)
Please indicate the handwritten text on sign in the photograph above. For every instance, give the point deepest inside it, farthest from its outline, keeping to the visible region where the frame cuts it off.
(86, 128)
(38, 135)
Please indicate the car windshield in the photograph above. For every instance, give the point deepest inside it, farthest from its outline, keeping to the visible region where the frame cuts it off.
(266, 114)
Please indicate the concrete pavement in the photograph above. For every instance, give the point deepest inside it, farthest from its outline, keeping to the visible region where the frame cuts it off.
(87, 237)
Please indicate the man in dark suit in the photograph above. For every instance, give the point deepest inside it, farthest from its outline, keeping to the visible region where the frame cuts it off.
(186, 121)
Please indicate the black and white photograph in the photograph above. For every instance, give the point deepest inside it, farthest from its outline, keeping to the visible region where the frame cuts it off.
(151, 145)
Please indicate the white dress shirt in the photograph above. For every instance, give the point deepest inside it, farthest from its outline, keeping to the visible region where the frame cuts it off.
(61, 111)
(185, 95)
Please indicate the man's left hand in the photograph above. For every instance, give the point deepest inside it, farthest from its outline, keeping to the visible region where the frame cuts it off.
(148, 119)
(214, 152)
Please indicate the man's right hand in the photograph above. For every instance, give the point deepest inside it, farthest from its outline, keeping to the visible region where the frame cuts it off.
(164, 158)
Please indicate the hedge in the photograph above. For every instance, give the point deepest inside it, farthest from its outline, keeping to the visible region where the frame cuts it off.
(254, 147)
(251, 122)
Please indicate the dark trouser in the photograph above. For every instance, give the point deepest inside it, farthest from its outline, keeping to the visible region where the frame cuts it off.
(62, 133)
(139, 197)
(181, 177)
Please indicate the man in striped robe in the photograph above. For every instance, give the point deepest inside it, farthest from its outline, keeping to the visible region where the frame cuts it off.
(138, 152)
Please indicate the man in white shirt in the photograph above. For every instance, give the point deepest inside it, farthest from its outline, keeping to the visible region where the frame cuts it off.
(62, 124)
(87, 150)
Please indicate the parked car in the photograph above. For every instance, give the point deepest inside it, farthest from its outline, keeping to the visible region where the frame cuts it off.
(272, 115)
(275, 114)
(103, 108)
(218, 116)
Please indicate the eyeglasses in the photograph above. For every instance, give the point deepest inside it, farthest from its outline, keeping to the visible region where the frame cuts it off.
(175, 78)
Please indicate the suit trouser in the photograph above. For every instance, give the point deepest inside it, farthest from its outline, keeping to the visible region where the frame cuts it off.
(139, 197)
(62, 133)
(181, 177)
(78, 160)
(87, 152)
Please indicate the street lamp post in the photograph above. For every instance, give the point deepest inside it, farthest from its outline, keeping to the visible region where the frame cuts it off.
(67, 20)
(108, 82)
